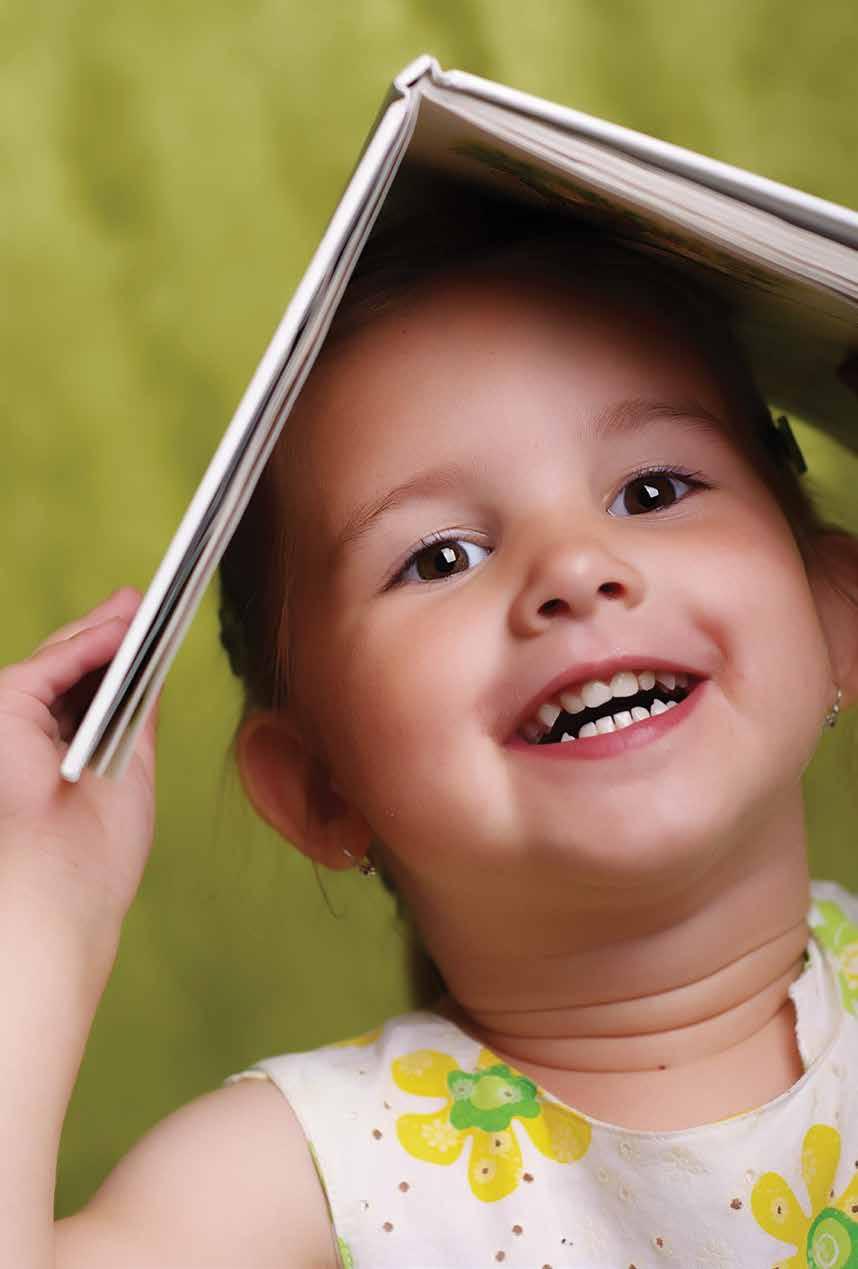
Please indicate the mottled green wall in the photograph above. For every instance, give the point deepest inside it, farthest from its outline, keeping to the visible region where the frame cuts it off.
(166, 171)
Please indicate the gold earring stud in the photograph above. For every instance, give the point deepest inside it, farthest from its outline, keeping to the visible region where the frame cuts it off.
(364, 865)
(832, 715)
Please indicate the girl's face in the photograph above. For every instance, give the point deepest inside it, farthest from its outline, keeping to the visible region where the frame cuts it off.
(473, 537)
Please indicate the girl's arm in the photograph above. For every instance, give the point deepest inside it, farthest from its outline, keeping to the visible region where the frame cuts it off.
(226, 1182)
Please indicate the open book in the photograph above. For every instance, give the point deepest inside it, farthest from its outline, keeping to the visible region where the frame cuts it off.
(788, 263)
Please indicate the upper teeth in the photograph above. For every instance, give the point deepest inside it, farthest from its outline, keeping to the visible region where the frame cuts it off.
(626, 683)
(596, 692)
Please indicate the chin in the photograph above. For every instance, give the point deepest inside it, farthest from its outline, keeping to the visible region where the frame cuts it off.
(644, 854)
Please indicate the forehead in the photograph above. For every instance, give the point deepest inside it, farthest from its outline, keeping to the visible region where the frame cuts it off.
(471, 358)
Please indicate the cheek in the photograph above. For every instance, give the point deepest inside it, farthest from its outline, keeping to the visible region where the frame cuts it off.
(404, 727)
(775, 654)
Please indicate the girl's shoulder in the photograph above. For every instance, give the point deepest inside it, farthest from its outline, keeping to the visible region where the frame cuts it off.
(345, 1096)
(344, 1070)
(370, 1057)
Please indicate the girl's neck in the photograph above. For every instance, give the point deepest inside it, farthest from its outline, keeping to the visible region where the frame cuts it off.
(726, 1080)
(677, 1023)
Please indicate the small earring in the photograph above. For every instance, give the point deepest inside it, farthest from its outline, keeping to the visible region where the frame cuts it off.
(365, 866)
(831, 717)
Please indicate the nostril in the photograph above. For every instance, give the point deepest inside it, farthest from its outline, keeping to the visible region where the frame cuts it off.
(612, 589)
(551, 606)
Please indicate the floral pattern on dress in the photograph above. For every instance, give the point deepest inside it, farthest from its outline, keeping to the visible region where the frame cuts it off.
(481, 1107)
(839, 936)
(828, 1237)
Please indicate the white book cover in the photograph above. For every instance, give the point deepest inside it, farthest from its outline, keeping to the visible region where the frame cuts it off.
(787, 261)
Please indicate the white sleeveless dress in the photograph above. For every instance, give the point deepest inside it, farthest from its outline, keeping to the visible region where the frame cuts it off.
(434, 1154)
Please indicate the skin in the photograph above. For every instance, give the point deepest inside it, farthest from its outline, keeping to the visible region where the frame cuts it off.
(624, 930)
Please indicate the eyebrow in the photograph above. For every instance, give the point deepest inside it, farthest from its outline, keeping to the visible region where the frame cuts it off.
(425, 484)
(623, 416)
(638, 412)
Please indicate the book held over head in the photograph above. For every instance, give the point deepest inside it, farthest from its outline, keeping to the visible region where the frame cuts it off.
(786, 264)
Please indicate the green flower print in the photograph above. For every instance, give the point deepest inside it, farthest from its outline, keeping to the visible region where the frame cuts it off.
(832, 1242)
(489, 1098)
(839, 936)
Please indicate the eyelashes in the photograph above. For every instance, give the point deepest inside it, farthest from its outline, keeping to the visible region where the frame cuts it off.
(446, 553)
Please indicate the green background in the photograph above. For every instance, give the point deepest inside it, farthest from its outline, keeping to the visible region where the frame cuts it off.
(167, 169)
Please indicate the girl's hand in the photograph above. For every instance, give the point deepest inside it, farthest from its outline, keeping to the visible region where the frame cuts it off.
(86, 843)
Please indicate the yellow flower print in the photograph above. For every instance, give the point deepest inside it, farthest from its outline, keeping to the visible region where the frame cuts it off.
(441, 1136)
(840, 936)
(480, 1107)
(828, 1237)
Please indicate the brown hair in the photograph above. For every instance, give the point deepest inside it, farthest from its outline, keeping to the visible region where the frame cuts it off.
(469, 233)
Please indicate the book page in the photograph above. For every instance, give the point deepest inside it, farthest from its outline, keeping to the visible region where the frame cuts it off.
(793, 293)
(529, 160)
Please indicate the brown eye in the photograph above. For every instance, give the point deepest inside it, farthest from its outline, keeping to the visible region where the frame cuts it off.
(443, 559)
(651, 491)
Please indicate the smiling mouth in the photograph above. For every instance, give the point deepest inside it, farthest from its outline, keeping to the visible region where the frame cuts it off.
(596, 708)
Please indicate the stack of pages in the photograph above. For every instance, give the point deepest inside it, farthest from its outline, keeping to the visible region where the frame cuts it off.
(787, 262)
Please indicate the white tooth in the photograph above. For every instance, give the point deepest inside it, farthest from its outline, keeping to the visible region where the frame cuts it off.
(671, 704)
(566, 736)
(605, 724)
(657, 707)
(548, 714)
(667, 678)
(624, 684)
(572, 702)
(595, 693)
(639, 713)
(681, 680)
(589, 729)
(623, 719)
(646, 678)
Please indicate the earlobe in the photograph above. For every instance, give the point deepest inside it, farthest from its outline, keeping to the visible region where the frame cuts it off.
(290, 789)
(834, 580)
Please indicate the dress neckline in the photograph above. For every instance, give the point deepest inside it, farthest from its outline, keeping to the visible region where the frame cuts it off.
(819, 1022)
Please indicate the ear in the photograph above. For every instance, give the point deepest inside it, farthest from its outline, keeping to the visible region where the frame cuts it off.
(290, 789)
(833, 572)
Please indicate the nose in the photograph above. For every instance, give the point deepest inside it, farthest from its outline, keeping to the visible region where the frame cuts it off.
(571, 578)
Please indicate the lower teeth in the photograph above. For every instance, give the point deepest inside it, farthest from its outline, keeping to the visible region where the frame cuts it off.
(617, 722)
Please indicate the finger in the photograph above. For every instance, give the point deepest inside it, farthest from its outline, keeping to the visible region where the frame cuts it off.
(122, 603)
(55, 668)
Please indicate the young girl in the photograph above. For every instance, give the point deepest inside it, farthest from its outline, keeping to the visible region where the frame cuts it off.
(536, 619)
